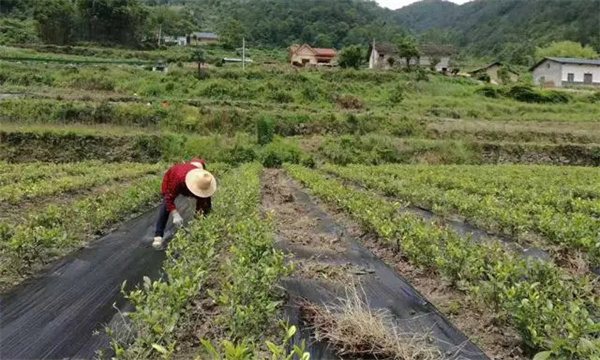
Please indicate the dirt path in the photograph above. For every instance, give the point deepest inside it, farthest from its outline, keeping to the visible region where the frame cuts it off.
(329, 262)
(55, 315)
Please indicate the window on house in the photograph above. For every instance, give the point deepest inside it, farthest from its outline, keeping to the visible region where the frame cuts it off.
(587, 78)
(548, 65)
(570, 77)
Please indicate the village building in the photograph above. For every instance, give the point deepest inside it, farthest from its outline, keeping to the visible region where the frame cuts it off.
(497, 72)
(199, 38)
(195, 39)
(385, 56)
(559, 72)
(303, 55)
(176, 40)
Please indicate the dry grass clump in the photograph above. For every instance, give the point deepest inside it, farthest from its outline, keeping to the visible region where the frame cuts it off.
(355, 329)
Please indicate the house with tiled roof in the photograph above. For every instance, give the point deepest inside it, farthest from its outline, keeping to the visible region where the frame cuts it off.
(201, 37)
(303, 55)
(559, 72)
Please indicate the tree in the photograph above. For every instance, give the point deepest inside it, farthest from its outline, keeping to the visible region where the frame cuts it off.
(391, 61)
(165, 20)
(566, 49)
(113, 21)
(56, 21)
(323, 41)
(408, 49)
(14, 31)
(231, 32)
(351, 57)
(433, 61)
(199, 57)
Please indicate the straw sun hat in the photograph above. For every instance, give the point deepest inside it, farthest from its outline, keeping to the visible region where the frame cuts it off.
(201, 183)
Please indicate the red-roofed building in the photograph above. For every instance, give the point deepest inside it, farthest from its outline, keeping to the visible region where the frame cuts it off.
(302, 55)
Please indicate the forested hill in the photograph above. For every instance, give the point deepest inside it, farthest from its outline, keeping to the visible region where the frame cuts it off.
(505, 29)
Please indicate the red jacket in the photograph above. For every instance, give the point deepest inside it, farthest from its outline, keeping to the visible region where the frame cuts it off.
(173, 185)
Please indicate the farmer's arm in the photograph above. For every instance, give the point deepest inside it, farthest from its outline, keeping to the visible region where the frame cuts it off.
(203, 205)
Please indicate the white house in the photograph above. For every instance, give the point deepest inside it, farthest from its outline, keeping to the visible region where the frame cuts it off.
(385, 56)
(179, 40)
(558, 72)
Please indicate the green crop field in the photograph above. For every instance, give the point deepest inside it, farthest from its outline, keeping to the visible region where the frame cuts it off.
(451, 182)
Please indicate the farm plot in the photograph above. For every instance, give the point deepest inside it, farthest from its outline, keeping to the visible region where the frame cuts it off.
(346, 297)
(556, 208)
(554, 312)
(46, 222)
(219, 285)
(30, 181)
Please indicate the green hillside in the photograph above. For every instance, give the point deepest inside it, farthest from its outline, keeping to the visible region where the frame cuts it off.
(504, 29)
(507, 30)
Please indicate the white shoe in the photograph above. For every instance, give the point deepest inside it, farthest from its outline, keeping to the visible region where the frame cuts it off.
(157, 243)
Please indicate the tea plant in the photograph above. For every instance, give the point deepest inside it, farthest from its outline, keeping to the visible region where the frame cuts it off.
(559, 204)
(243, 283)
(553, 311)
(57, 229)
(85, 175)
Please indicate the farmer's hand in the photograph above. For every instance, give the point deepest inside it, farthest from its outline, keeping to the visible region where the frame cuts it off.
(177, 219)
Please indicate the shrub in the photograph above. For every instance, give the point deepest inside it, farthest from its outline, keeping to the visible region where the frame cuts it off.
(407, 127)
(282, 97)
(240, 154)
(554, 96)
(264, 129)
(351, 57)
(278, 152)
(490, 91)
(593, 98)
(525, 94)
(397, 94)
(350, 102)
(483, 76)
(310, 93)
(528, 94)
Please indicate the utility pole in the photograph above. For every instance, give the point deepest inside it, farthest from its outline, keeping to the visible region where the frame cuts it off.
(159, 33)
(243, 53)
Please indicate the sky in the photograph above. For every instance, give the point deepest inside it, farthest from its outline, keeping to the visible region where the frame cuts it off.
(396, 4)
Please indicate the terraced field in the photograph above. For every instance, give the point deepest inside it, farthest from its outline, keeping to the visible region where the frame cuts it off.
(359, 214)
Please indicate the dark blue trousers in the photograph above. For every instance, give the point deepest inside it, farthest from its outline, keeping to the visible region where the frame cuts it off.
(163, 218)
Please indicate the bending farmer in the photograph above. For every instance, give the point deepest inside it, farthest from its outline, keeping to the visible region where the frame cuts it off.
(188, 179)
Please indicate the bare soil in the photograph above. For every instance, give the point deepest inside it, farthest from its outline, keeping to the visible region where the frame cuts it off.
(294, 222)
(297, 228)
